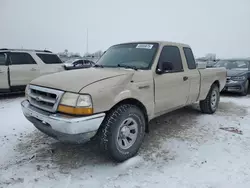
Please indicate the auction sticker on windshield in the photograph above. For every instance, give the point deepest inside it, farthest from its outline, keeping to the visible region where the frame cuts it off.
(145, 46)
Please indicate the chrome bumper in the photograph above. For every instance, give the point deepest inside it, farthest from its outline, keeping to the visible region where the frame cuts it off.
(60, 126)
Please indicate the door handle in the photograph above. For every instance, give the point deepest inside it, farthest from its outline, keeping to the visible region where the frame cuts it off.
(33, 69)
(185, 78)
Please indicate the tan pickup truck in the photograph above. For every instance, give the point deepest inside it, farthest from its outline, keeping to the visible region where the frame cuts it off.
(131, 84)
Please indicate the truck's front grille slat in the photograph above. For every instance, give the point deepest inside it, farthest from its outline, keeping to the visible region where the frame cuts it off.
(44, 98)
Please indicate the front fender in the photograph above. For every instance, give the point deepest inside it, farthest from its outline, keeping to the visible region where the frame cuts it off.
(107, 93)
(138, 91)
(104, 98)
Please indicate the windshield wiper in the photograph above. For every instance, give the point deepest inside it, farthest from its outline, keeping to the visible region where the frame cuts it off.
(127, 66)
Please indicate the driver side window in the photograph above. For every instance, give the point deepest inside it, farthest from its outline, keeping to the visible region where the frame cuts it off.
(86, 62)
(77, 63)
(170, 59)
(3, 59)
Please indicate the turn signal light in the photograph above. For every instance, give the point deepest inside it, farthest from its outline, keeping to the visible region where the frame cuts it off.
(75, 110)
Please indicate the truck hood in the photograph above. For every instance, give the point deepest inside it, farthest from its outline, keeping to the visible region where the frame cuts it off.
(236, 72)
(76, 80)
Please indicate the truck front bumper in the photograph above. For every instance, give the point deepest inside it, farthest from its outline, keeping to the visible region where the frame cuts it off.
(62, 127)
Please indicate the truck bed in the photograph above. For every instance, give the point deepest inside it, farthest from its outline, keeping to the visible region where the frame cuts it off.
(207, 77)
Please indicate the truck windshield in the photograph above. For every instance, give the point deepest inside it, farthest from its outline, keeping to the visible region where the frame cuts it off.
(233, 64)
(131, 55)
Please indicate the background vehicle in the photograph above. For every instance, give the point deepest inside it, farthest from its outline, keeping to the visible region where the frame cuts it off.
(19, 67)
(78, 64)
(238, 75)
(131, 84)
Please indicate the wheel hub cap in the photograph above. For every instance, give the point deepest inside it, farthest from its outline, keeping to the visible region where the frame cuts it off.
(127, 134)
(214, 99)
(125, 131)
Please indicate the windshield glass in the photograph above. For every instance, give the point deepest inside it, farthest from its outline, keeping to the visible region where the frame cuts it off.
(233, 64)
(137, 55)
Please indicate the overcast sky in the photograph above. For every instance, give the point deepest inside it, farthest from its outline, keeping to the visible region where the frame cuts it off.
(209, 26)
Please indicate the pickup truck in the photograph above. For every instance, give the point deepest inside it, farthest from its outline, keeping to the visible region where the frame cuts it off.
(20, 66)
(113, 102)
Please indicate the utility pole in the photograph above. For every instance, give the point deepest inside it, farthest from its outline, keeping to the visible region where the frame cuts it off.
(87, 44)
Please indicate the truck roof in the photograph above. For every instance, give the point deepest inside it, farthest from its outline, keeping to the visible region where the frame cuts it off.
(160, 42)
(23, 50)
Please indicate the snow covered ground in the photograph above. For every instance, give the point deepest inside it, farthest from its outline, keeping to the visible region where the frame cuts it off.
(183, 149)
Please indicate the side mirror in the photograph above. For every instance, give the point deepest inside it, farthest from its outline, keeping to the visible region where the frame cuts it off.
(159, 71)
(164, 67)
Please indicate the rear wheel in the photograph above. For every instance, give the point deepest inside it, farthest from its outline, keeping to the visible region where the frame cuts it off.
(245, 91)
(210, 104)
(122, 132)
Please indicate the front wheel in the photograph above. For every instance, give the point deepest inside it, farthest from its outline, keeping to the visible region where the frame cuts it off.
(210, 104)
(122, 132)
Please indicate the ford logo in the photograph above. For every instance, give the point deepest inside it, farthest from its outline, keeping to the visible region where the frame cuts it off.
(38, 99)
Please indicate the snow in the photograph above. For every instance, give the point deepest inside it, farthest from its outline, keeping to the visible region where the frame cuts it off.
(183, 149)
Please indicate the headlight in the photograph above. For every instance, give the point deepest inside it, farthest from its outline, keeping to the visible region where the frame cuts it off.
(76, 104)
(27, 90)
(238, 78)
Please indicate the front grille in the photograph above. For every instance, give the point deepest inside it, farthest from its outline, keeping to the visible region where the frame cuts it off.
(228, 79)
(44, 98)
(234, 87)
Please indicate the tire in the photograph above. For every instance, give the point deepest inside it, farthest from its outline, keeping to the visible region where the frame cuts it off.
(112, 135)
(245, 91)
(210, 104)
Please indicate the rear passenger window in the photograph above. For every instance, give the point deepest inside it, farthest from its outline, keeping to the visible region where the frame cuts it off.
(20, 58)
(2, 59)
(49, 58)
(190, 58)
(86, 62)
(170, 58)
(78, 62)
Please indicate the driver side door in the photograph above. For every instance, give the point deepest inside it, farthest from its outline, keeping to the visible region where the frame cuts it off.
(172, 84)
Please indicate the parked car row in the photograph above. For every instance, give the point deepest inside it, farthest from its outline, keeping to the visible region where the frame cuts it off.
(19, 66)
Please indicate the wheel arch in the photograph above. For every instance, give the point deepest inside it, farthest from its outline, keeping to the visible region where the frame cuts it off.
(137, 103)
(216, 82)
